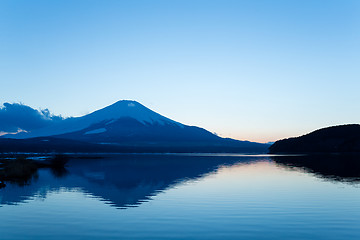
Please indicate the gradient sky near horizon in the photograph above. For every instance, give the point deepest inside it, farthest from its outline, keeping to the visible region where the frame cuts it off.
(252, 70)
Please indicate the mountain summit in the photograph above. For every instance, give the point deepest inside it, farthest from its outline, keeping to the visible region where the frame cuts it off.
(130, 124)
(130, 109)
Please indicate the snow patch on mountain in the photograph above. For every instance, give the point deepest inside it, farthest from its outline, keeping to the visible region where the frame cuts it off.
(99, 130)
(111, 121)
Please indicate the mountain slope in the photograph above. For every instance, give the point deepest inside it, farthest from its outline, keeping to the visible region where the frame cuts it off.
(131, 130)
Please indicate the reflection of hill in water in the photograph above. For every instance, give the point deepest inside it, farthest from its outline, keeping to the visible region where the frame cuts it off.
(122, 181)
(344, 168)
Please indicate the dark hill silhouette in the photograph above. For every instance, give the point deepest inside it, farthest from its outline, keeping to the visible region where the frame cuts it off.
(336, 139)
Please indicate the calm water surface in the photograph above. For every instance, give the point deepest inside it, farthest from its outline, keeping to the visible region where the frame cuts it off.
(187, 197)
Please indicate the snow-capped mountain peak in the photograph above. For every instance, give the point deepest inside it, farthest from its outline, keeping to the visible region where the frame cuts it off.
(130, 109)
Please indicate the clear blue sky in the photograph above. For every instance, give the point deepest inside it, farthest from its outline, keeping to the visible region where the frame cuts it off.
(254, 69)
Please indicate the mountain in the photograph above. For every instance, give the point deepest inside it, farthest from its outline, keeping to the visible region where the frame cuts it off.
(343, 138)
(103, 117)
(126, 126)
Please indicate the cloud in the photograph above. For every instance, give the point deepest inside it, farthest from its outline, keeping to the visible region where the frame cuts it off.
(16, 117)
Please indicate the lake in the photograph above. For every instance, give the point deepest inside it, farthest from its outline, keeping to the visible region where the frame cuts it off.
(198, 196)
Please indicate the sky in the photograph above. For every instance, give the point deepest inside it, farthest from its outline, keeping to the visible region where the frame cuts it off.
(256, 70)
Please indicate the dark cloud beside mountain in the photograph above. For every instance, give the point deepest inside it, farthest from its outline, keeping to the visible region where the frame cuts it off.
(16, 116)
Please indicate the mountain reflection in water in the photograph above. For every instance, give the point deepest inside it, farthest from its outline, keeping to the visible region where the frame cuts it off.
(125, 181)
(122, 181)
